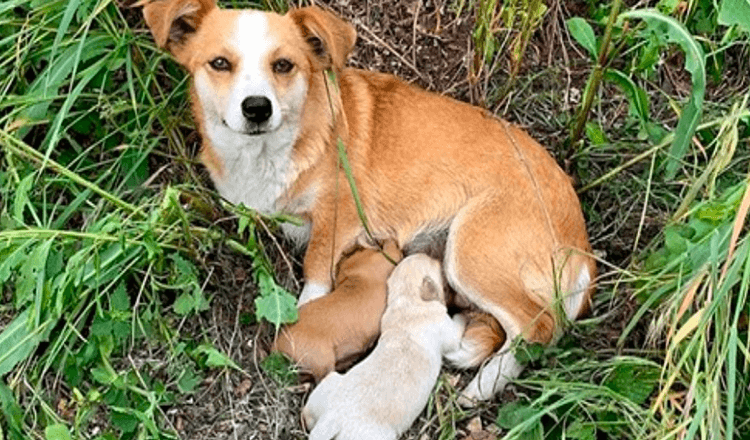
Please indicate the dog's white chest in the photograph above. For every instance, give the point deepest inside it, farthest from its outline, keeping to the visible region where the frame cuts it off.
(256, 169)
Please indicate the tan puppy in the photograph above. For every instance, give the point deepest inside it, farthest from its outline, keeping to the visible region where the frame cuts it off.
(379, 398)
(334, 330)
(274, 102)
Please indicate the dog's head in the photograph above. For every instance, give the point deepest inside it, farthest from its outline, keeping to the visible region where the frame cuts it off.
(416, 278)
(251, 69)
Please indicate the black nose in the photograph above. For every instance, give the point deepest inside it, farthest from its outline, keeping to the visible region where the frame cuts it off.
(256, 109)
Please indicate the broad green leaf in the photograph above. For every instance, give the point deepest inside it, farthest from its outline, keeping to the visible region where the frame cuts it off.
(18, 341)
(279, 307)
(57, 432)
(737, 12)
(21, 198)
(670, 30)
(11, 411)
(582, 32)
(120, 301)
(635, 382)
(188, 381)
(581, 431)
(12, 260)
(513, 413)
(184, 304)
(280, 368)
(595, 134)
(215, 358)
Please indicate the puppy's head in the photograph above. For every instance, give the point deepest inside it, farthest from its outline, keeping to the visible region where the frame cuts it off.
(416, 278)
(369, 263)
(251, 69)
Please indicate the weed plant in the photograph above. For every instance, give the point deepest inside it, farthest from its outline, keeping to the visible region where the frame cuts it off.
(106, 227)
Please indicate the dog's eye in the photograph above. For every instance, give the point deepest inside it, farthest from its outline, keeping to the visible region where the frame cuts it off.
(282, 65)
(220, 63)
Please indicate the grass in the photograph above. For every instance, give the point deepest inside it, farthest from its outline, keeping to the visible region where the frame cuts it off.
(115, 257)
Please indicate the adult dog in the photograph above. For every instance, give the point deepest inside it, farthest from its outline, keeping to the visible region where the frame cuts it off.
(274, 103)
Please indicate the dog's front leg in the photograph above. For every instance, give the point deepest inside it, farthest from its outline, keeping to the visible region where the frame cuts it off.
(328, 241)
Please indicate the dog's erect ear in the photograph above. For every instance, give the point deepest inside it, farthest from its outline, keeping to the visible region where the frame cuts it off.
(331, 38)
(171, 21)
(430, 291)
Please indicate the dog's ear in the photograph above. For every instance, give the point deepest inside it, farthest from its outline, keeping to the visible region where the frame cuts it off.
(172, 21)
(430, 291)
(330, 38)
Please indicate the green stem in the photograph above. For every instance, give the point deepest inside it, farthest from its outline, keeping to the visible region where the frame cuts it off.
(596, 76)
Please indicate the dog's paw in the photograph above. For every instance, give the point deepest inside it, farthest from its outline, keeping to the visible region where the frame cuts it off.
(310, 292)
(491, 378)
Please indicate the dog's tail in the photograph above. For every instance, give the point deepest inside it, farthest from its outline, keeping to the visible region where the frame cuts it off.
(483, 336)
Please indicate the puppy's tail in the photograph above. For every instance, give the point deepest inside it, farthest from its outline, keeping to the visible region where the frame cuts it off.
(483, 336)
(325, 429)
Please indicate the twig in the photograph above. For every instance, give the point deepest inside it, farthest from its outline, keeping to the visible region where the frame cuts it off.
(398, 55)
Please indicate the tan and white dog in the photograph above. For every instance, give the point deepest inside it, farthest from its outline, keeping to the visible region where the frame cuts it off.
(273, 101)
(379, 398)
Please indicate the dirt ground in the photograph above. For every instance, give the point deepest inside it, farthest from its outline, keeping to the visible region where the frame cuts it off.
(427, 43)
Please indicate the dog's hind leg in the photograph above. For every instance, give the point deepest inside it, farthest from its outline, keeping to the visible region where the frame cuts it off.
(500, 256)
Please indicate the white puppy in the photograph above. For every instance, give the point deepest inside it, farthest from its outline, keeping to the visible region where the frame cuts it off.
(380, 397)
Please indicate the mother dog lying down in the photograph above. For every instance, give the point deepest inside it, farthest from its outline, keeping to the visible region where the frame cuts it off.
(272, 100)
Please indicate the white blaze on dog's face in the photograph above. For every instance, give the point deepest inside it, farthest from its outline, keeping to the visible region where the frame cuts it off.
(250, 71)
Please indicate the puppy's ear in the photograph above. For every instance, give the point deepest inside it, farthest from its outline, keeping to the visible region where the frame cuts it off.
(330, 38)
(172, 21)
(430, 291)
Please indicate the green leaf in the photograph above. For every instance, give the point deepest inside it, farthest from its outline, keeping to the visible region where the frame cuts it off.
(671, 30)
(17, 342)
(637, 97)
(103, 375)
(11, 410)
(595, 134)
(184, 304)
(125, 422)
(21, 198)
(57, 432)
(278, 307)
(514, 413)
(215, 358)
(12, 260)
(737, 12)
(185, 269)
(528, 353)
(280, 368)
(582, 32)
(581, 431)
(120, 301)
(188, 381)
(635, 382)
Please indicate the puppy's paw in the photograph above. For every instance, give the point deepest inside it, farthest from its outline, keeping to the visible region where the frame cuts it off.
(310, 292)
(472, 394)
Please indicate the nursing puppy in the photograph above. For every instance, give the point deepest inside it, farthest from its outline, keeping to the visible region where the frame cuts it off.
(334, 330)
(273, 103)
(379, 398)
